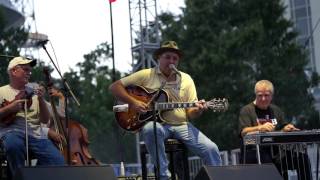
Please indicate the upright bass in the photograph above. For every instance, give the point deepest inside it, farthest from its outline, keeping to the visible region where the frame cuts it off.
(74, 147)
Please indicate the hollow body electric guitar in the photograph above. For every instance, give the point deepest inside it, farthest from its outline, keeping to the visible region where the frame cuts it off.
(131, 120)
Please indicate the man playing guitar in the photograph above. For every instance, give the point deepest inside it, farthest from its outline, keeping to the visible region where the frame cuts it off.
(179, 87)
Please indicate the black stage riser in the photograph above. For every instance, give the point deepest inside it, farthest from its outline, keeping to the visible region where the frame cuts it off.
(66, 173)
(239, 172)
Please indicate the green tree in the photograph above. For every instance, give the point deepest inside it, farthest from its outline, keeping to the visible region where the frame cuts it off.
(229, 45)
(11, 41)
(90, 84)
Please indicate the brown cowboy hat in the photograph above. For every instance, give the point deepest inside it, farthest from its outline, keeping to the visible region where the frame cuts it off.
(165, 47)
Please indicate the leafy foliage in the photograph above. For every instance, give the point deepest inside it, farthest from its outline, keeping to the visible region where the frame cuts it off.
(11, 41)
(229, 45)
(95, 112)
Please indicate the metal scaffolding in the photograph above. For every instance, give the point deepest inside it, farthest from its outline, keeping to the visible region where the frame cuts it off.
(144, 27)
(144, 33)
(31, 47)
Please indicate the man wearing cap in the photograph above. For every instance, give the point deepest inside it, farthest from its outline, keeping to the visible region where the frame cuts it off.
(13, 113)
(180, 88)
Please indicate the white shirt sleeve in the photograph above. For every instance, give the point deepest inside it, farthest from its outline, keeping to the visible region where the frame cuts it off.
(44, 130)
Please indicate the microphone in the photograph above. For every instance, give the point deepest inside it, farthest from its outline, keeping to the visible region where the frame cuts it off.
(173, 68)
(29, 92)
(42, 42)
(30, 89)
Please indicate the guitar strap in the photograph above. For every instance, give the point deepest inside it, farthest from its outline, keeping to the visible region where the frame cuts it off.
(164, 82)
(156, 95)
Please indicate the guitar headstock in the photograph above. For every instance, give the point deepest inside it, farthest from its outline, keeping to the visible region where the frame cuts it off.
(218, 104)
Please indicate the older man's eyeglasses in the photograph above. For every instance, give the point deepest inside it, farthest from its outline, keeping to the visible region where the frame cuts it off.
(25, 69)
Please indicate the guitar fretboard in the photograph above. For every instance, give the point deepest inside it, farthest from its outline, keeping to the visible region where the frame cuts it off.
(174, 105)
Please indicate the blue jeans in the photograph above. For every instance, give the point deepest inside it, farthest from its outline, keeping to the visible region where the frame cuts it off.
(195, 141)
(42, 149)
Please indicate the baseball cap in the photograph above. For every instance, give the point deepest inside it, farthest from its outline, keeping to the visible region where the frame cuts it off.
(19, 61)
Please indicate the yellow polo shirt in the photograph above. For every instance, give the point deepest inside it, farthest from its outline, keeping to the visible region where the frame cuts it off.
(181, 90)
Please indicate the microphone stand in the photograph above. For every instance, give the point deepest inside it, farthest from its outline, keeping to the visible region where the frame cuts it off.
(27, 163)
(317, 164)
(154, 117)
(156, 142)
(67, 92)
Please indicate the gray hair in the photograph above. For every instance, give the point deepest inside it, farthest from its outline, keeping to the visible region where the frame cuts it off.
(266, 84)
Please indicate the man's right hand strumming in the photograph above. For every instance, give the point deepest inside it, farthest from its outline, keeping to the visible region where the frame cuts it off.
(139, 106)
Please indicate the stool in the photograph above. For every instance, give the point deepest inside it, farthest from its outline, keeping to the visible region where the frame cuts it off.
(172, 146)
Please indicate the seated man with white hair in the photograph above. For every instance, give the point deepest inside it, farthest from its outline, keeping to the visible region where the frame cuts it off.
(19, 105)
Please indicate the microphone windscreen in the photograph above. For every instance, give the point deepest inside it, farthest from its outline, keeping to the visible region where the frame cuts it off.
(29, 89)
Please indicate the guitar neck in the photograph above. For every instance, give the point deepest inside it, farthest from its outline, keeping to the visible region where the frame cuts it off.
(174, 105)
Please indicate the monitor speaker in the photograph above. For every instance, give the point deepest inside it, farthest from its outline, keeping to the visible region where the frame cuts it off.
(239, 172)
(65, 173)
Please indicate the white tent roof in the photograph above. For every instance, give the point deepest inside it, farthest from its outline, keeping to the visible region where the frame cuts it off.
(12, 16)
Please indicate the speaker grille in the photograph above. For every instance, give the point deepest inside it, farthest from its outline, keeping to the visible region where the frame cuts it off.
(66, 173)
(239, 172)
